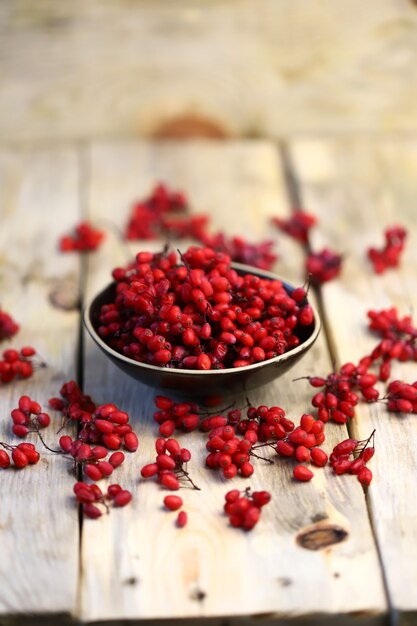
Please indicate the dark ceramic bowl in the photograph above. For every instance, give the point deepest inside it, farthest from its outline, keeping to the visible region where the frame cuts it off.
(198, 383)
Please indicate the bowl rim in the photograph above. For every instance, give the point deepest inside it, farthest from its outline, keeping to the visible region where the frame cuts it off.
(193, 372)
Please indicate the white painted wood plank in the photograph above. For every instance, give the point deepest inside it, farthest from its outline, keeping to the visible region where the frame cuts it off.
(39, 531)
(254, 67)
(135, 563)
(357, 189)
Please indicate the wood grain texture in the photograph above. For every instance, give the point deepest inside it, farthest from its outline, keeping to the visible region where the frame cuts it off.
(254, 67)
(358, 188)
(39, 531)
(135, 563)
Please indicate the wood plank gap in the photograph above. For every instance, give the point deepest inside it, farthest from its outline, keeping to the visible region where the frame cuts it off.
(290, 178)
(83, 163)
(295, 193)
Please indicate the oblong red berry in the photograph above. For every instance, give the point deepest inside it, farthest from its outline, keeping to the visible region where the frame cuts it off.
(365, 476)
(319, 457)
(4, 459)
(122, 498)
(20, 430)
(165, 462)
(19, 458)
(116, 459)
(131, 442)
(65, 443)
(173, 503)
(105, 467)
(261, 498)
(112, 441)
(302, 473)
(104, 426)
(163, 402)
(170, 481)
(92, 511)
(149, 470)
(113, 490)
(182, 519)
(92, 471)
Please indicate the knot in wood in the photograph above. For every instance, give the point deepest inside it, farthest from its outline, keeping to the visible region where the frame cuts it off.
(321, 536)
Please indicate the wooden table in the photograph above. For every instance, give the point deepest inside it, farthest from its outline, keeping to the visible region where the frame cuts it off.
(134, 564)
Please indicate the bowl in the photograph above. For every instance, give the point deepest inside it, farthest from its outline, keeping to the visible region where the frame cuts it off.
(204, 384)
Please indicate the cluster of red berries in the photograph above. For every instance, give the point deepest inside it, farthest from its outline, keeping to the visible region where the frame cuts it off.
(229, 453)
(173, 503)
(297, 226)
(91, 458)
(23, 422)
(402, 397)
(22, 455)
(148, 219)
(260, 254)
(351, 456)
(302, 442)
(338, 399)
(200, 314)
(320, 266)
(8, 326)
(244, 507)
(323, 266)
(85, 238)
(109, 426)
(390, 254)
(18, 364)
(165, 213)
(398, 339)
(173, 416)
(73, 403)
(102, 430)
(89, 496)
(170, 464)
(102, 425)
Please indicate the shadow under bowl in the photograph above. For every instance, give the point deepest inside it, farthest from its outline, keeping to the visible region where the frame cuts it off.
(201, 383)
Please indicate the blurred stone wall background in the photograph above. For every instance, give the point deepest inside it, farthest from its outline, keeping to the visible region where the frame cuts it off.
(80, 69)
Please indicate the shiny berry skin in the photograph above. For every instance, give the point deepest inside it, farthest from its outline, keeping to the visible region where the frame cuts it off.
(182, 519)
(131, 442)
(20, 459)
(302, 473)
(92, 511)
(365, 476)
(173, 503)
(4, 459)
(122, 498)
(319, 457)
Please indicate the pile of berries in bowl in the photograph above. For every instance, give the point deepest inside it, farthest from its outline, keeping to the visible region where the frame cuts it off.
(195, 322)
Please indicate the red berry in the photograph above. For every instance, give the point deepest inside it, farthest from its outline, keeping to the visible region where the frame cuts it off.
(131, 442)
(319, 457)
(173, 502)
(122, 498)
(116, 459)
(93, 472)
(113, 490)
(92, 511)
(170, 481)
(182, 519)
(149, 470)
(4, 459)
(302, 473)
(365, 476)
(19, 458)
